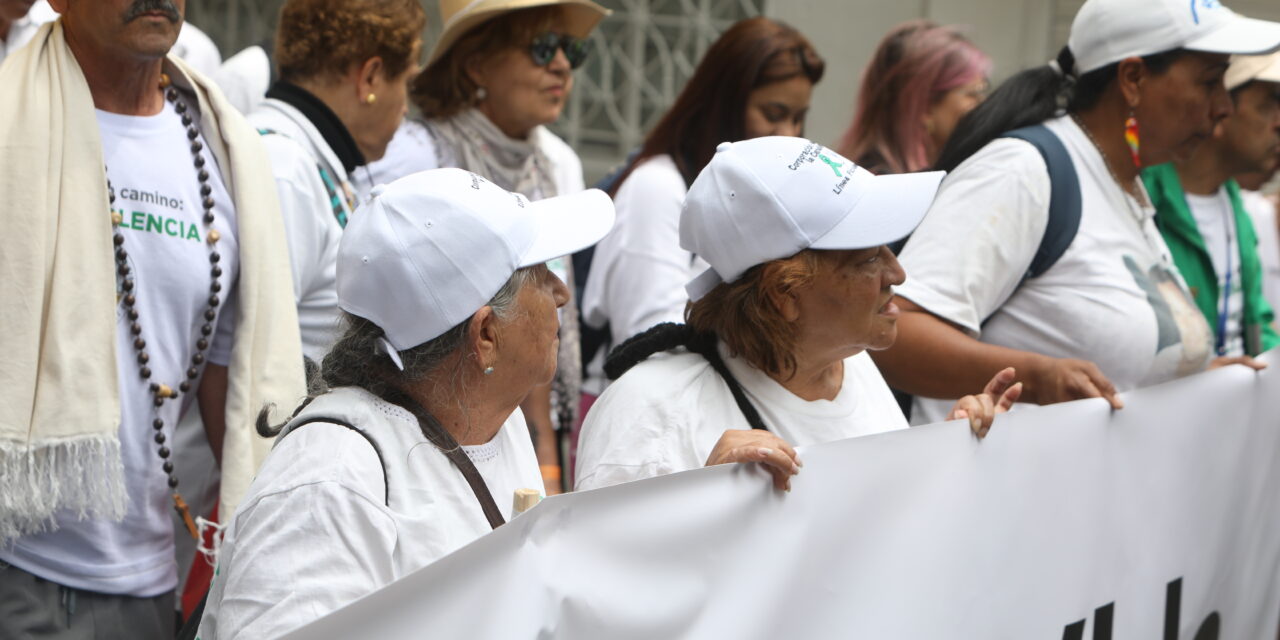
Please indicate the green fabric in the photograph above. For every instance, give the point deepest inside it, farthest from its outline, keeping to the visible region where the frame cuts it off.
(1178, 226)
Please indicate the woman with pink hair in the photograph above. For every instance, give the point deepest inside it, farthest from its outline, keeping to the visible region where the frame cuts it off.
(921, 81)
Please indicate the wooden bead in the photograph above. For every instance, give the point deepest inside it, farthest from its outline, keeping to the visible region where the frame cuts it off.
(213, 236)
(116, 218)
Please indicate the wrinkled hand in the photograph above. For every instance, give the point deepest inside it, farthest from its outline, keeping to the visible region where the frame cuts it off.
(1256, 365)
(1065, 379)
(997, 397)
(755, 445)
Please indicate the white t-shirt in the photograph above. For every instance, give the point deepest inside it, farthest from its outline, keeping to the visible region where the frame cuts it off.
(666, 414)
(315, 531)
(639, 270)
(1263, 214)
(150, 166)
(1114, 297)
(298, 152)
(1216, 221)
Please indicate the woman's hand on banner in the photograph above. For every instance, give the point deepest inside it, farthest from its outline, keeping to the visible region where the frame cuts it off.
(1256, 365)
(1066, 379)
(754, 445)
(981, 410)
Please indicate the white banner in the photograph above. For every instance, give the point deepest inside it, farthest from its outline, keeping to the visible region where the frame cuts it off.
(1158, 521)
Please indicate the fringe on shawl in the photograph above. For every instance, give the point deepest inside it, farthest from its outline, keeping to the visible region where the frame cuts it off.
(83, 475)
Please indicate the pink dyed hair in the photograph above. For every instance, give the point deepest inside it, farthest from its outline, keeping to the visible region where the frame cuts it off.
(916, 64)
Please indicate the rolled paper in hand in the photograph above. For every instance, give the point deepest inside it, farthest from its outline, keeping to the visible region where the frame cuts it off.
(524, 500)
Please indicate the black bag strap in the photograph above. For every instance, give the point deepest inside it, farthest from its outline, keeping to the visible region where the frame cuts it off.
(706, 347)
(386, 483)
(668, 336)
(443, 440)
(1065, 202)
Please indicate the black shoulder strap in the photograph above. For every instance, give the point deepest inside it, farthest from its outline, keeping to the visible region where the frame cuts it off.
(668, 336)
(386, 483)
(712, 354)
(1064, 197)
(438, 436)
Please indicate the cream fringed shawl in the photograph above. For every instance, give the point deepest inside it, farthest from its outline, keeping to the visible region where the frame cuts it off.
(59, 399)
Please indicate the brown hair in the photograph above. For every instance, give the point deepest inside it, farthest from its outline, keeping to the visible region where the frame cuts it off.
(327, 37)
(445, 88)
(712, 107)
(743, 315)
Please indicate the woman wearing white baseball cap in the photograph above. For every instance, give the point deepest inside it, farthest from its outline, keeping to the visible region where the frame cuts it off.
(418, 447)
(499, 73)
(800, 287)
(1040, 250)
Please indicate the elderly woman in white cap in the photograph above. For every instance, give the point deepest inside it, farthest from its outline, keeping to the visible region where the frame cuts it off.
(799, 289)
(500, 71)
(1040, 250)
(418, 447)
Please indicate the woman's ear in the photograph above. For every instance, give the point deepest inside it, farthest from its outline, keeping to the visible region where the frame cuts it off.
(1129, 77)
(484, 333)
(476, 69)
(369, 78)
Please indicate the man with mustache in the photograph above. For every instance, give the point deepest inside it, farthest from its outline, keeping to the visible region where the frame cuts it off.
(150, 271)
(1202, 216)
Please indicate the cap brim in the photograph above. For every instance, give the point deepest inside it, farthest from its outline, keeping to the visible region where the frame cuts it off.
(890, 210)
(1239, 35)
(567, 224)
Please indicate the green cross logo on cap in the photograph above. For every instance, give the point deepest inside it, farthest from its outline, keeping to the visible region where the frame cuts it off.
(835, 166)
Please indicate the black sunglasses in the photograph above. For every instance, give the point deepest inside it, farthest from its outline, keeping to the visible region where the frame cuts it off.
(543, 49)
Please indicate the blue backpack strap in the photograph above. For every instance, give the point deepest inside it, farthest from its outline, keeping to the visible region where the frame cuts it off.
(1064, 197)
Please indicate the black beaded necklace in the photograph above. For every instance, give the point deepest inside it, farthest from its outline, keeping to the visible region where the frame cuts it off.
(161, 392)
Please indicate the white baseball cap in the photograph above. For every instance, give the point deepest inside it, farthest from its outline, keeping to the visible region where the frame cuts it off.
(770, 198)
(1108, 31)
(1246, 69)
(432, 248)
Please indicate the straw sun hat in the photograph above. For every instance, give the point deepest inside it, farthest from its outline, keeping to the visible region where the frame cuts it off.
(461, 16)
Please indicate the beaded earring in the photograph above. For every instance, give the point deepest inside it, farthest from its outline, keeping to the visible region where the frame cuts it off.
(1131, 138)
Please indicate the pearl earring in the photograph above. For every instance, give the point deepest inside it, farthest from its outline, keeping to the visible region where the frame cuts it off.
(481, 93)
(488, 371)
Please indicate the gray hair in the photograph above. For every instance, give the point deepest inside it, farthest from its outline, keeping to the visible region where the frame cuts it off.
(357, 360)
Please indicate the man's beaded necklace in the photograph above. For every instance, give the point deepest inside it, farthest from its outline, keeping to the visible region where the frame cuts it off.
(161, 392)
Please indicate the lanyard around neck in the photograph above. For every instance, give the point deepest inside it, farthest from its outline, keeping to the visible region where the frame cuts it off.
(1220, 342)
